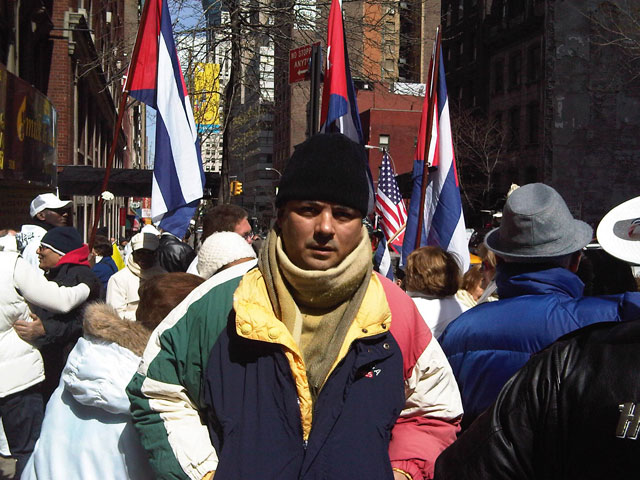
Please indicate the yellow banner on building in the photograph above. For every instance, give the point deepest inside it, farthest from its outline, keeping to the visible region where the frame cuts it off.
(206, 94)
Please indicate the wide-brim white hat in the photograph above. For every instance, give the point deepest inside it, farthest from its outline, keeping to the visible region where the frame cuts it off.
(619, 231)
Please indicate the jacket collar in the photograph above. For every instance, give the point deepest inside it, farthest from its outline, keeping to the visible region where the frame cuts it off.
(256, 320)
(79, 256)
(515, 280)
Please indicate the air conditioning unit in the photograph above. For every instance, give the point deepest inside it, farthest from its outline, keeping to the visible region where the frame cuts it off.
(404, 5)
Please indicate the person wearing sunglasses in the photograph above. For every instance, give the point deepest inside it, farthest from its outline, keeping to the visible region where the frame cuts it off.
(47, 211)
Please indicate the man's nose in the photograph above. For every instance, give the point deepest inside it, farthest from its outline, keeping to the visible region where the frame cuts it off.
(324, 225)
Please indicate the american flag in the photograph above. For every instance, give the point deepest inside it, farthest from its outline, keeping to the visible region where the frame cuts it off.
(389, 204)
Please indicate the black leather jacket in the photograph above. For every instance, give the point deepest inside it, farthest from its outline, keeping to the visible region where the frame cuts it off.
(572, 412)
(173, 254)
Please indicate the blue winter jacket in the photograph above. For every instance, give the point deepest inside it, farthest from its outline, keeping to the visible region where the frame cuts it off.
(489, 343)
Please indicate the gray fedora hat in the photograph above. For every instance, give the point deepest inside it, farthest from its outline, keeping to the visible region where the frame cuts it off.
(537, 225)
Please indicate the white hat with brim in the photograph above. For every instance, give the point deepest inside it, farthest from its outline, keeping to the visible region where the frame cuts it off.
(619, 231)
(46, 200)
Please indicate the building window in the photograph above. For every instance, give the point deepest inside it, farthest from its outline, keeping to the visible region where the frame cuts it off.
(448, 16)
(515, 69)
(514, 128)
(533, 63)
(460, 10)
(498, 77)
(533, 122)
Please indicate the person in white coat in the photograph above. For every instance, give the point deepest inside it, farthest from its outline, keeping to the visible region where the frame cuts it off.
(87, 431)
(432, 280)
(122, 288)
(21, 403)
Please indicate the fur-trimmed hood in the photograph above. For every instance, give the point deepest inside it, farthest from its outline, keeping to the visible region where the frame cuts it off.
(102, 321)
(103, 361)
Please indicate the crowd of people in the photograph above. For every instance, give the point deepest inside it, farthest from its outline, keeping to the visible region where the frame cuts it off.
(290, 357)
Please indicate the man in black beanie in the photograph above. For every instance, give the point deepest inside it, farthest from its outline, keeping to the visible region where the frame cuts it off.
(64, 258)
(316, 367)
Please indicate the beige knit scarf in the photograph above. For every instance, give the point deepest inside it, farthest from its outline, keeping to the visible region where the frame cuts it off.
(317, 307)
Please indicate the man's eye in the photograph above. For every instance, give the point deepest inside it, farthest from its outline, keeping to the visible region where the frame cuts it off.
(307, 211)
(343, 215)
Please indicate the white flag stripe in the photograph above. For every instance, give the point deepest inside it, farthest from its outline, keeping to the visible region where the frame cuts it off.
(182, 135)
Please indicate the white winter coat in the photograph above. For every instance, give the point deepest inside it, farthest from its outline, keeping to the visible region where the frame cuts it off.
(87, 430)
(438, 312)
(122, 288)
(28, 239)
(20, 362)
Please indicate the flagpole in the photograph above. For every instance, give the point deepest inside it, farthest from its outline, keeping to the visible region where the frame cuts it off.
(433, 82)
(116, 134)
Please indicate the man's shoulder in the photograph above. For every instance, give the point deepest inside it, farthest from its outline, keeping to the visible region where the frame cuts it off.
(396, 297)
(214, 296)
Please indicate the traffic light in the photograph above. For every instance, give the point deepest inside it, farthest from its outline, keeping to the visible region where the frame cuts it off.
(235, 188)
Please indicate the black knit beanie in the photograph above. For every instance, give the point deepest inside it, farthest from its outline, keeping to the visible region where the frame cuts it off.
(327, 167)
(62, 240)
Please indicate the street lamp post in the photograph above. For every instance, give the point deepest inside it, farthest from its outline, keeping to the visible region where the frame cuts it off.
(273, 200)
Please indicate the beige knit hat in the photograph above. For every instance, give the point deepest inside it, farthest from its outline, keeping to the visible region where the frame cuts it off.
(220, 249)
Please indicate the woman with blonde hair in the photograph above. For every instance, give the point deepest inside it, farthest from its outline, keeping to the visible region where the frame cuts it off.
(432, 280)
(471, 288)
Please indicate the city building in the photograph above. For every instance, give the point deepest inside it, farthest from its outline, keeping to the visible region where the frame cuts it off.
(69, 58)
(550, 75)
(388, 43)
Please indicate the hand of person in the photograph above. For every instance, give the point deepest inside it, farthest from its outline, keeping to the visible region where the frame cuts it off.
(29, 331)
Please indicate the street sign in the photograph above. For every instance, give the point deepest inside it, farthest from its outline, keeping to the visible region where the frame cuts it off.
(299, 63)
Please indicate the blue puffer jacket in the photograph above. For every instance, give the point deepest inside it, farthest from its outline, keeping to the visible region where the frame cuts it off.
(489, 343)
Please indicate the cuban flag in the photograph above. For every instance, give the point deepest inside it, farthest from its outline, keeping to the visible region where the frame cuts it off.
(156, 79)
(443, 220)
(339, 106)
(382, 260)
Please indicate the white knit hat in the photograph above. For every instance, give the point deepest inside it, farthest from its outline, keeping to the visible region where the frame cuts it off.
(147, 241)
(220, 249)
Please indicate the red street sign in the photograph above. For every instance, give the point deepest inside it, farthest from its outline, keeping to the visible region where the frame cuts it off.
(299, 63)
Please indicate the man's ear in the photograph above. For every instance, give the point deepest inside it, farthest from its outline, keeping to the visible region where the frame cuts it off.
(40, 216)
(574, 263)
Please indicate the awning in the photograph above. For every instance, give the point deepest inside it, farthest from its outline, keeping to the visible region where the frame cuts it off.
(123, 182)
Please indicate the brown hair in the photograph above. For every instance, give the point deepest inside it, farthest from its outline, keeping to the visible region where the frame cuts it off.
(472, 279)
(102, 246)
(432, 271)
(162, 293)
(222, 218)
(487, 256)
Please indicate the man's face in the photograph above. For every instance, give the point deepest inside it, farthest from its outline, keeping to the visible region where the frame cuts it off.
(48, 258)
(243, 228)
(319, 235)
(60, 217)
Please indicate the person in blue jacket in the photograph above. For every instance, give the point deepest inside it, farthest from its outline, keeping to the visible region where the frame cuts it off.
(539, 245)
(105, 267)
